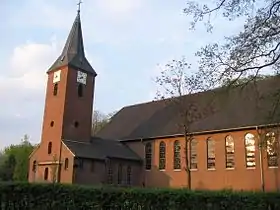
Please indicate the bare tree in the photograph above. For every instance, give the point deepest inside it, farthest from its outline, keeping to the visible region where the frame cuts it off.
(99, 121)
(176, 80)
(253, 51)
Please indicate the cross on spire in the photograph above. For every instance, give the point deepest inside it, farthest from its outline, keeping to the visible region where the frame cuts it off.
(79, 6)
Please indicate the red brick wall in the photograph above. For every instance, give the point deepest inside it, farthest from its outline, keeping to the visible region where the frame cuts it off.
(239, 178)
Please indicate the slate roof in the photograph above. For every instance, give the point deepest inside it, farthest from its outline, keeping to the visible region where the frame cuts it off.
(73, 53)
(101, 149)
(229, 109)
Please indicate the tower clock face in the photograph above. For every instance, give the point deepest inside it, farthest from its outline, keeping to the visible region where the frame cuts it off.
(82, 77)
(56, 76)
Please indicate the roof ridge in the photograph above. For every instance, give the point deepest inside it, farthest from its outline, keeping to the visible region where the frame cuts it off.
(76, 141)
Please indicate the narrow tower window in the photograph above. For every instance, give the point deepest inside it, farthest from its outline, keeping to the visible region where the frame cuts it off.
(148, 156)
(66, 164)
(80, 90)
(50, 148)
(46, 174)
(34, 166)
(162, 155)
(55, 89)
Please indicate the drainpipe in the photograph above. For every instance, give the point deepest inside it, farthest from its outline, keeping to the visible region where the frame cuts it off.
(261, 160)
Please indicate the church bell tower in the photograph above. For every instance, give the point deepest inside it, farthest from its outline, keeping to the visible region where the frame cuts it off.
(69, 94)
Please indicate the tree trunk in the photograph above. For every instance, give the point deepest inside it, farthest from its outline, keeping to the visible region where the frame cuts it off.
(187, 159)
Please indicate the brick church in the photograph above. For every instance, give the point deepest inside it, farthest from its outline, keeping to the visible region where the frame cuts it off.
(142, 145)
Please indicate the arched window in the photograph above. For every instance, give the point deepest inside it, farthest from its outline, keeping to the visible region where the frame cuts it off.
(110, 173)
(211, 154)
(80, 90)
(148, 156)
(271, 149)
(162, 151)
(46, 174)
(50, 148)
(55, 89)
(250, 149)
(229, 147)
(193, 160)
(34, 166)
(128, 179)
(66, 163)
(177, 155)
(120, 174)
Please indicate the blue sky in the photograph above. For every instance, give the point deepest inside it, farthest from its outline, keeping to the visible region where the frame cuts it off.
(125, 40)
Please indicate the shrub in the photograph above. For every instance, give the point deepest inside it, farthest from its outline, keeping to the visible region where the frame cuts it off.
(49, 196)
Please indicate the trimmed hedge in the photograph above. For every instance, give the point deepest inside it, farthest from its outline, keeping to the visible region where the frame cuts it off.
(59, 197)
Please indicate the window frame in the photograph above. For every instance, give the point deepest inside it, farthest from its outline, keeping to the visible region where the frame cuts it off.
(211, 160)
(193, 158)
(162, 156)
(229, 155)
(177, 165)
(148, 156)
(246, 145)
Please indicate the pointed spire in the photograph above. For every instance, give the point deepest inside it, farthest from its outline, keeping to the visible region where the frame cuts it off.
(73, 53)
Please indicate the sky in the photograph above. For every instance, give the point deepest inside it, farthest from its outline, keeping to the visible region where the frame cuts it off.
(125, 41)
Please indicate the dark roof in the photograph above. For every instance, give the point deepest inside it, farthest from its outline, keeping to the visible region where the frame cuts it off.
(73, 53)
(232, 108)
(101, 149)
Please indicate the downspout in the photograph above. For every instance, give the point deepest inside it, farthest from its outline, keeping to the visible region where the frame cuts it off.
(261, 160)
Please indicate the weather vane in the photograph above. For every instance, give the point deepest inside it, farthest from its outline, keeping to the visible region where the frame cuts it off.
(79, 6)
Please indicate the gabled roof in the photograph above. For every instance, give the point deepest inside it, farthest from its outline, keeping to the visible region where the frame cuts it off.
(101, 149)
(73, 53)
(230, 109)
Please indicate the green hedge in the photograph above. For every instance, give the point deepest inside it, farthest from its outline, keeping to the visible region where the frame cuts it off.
(59, 197)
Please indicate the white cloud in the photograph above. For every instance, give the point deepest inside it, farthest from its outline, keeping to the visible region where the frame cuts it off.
(23, 90)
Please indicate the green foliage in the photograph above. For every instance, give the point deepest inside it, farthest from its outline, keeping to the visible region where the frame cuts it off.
(52, 196)
(14, 161)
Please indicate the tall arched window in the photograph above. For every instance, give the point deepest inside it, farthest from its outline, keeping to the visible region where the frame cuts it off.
(193, 159)
(55, 89)
(162, 151)
(66, 164)
(120, 174)
(148, 156)
(229, 143)
(50, 148)
(211, 157)
(34, 166)
(46, 174)
(110, 173)
(128, 178)
(80, 90)
(271, 149)
(177, 155)
(250, 150)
